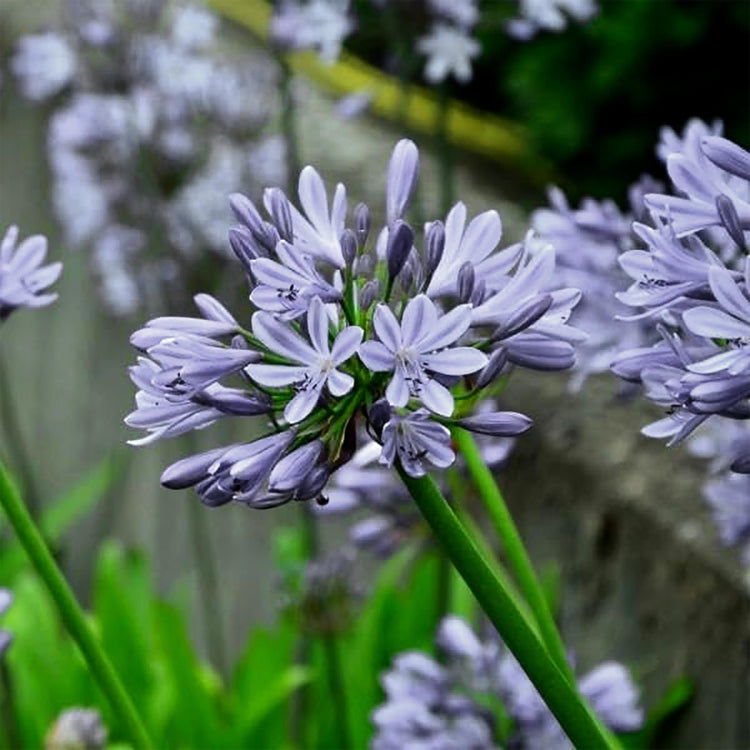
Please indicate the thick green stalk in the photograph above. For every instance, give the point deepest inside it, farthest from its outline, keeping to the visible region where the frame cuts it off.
(338, 690)
(576, 718)
(515, 551)
(70, 612)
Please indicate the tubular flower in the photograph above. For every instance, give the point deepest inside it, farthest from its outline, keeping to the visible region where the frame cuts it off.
(353, 331)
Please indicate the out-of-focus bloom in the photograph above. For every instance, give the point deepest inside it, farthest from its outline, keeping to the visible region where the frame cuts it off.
(424, 698)
(549, 15)
(589, 242)
(321, 288)
(23, 278)
(320, 25)
(728, 498)
(44, 65)
(327, 595)
(6, 599)
(424, 709)
(449, 51)
(463, 13)
(608, 688)
(77, 729)
(150, 131)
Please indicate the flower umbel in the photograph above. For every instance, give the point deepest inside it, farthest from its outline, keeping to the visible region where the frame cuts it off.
(354, 331)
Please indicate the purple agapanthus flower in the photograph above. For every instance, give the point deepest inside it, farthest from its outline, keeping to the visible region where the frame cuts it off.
(23, 278)
(354, 331)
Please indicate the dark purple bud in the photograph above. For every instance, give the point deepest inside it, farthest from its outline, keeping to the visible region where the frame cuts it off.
(312, 485)
(370, 292)
(289, 472)
(730, 220)
(492, 370)
(540, 353)
(498, 423)
(400, 242)
(362, 223)
(465, 281)
(189, 471)
(244, 246)
(406, 277)
(348, 242)
(526, 315)
(239, 403)
(479, 293)
(379, 414)
(435, 241)
(741, 464)
(278, 206)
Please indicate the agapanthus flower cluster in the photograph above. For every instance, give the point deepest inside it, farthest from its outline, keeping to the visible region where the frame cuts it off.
(549, 15)
(6, 599)
(691, 281)
(445, 705)
(319, 25)
(353, 330)
(589, 242)
(152, 125)
(23, 278)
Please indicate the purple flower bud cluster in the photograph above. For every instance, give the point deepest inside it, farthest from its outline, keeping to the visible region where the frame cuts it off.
(152, 126)
(6, 599)
(691, 282)
(443, 704)
(23, 278)
(316, 361)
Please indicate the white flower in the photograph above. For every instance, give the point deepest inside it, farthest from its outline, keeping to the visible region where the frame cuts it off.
(449, 50)
(44, 65)
(549, 15)
(416, 439)
(321, 25)
(410, 350)
(463, 13)
(316, 364)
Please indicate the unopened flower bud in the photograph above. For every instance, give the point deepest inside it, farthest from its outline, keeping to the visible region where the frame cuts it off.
(492, 369)
(435, 241)
(378, 414)
(400, 242)
(370, 292)
(362, 223)
(348, 242)
(730, 220)
(465, 281)
(278, 206)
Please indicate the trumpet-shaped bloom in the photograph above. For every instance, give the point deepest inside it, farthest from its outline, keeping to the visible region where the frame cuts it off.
(417, 348)
(312, 365)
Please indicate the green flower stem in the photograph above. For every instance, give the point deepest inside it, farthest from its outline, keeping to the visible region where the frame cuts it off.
(70, 612)
(338, 690)
(518, 558)
(576, 718)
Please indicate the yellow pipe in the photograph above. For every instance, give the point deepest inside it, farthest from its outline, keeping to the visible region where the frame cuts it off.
(470, 129)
